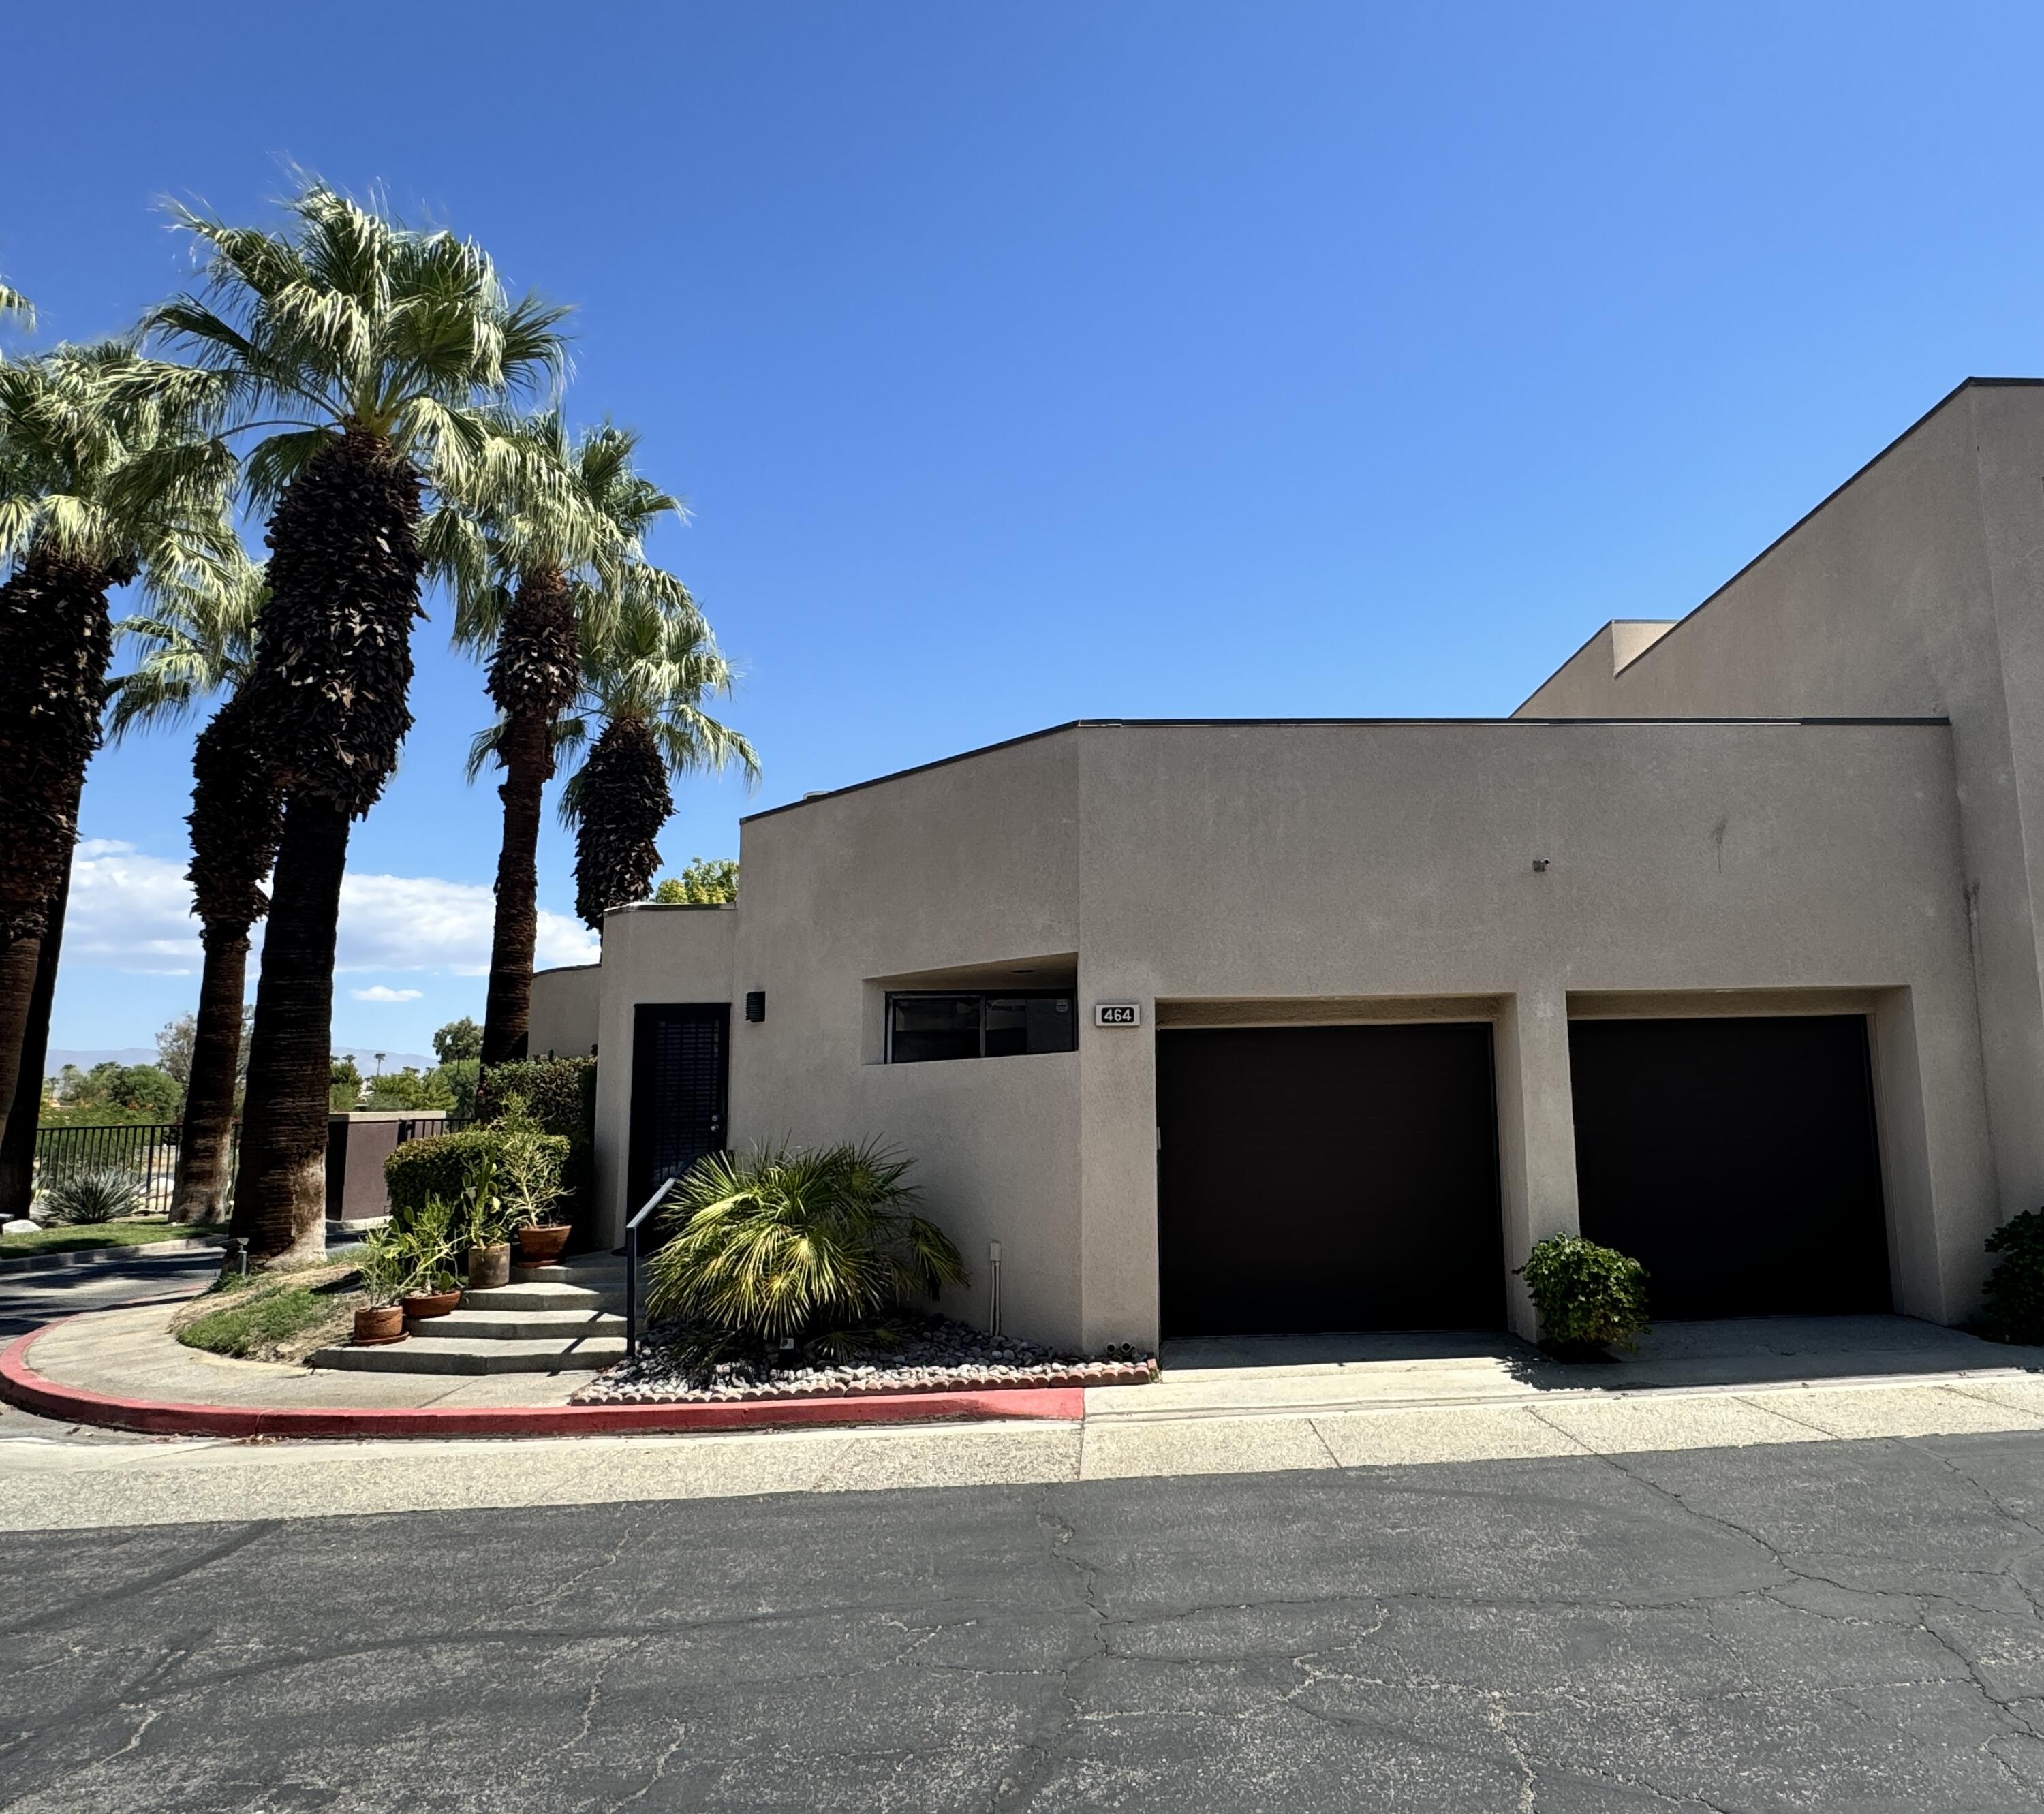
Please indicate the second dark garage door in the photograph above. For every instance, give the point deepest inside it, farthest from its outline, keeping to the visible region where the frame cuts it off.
(1736, 1160)
(1327, 1177)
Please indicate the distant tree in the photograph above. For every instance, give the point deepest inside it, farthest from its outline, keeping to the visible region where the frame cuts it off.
(174, 1047)
(708, 881)
(460, 1076)
(343, 1093)
(458, 1039)
(111, 1092)
(408, 1089)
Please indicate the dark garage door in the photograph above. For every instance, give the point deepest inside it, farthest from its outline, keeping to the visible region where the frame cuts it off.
(1327, 1177)
(1735, 1160)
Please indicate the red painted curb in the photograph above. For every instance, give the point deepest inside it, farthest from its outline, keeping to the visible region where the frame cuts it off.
(21, 1385)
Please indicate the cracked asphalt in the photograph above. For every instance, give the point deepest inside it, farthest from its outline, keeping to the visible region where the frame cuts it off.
(1842, 1625)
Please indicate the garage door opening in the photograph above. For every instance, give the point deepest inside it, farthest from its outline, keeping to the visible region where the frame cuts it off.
(1737, 1160)
(1327, 1179)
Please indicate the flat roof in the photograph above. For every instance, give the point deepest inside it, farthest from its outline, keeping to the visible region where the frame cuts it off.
(1309, 723)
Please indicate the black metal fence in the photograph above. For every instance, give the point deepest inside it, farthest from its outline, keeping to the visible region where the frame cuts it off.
(147, 1150)
(426, 1126)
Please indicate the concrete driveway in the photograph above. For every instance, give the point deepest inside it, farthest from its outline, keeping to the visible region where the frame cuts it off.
(1840, 1626)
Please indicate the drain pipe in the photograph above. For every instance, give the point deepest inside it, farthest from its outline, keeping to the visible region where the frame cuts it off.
(993, 1287)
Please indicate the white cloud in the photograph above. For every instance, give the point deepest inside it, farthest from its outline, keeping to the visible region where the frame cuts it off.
(133, 912)
(376, 992)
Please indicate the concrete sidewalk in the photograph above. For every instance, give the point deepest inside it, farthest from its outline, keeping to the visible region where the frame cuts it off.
(1351, 1407)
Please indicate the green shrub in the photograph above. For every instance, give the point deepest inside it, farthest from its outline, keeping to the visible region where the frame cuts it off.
(444, 1165)
(84, 1199)
(1585, 1296)
(795, 1243)
(2014, 1308)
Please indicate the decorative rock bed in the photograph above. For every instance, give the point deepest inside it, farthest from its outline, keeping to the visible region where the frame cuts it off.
(939, 1356)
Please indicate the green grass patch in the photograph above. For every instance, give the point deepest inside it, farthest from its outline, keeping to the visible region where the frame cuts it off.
(278, 1316)
(62, 1240)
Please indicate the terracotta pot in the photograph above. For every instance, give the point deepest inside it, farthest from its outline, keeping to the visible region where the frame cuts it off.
(374, 1328)
(543, 1244)
(428, 1304)
(489, 1266)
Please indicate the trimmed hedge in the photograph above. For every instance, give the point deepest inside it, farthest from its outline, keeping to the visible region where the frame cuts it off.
(439, 1167)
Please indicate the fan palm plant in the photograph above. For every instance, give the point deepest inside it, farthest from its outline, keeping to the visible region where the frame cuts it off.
(369, 351)
(545, 538)
(794, 1242)
(199, 639)
(643, 684)
(105, 477)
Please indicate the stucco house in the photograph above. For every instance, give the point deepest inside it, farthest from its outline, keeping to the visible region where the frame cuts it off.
(1723, 949)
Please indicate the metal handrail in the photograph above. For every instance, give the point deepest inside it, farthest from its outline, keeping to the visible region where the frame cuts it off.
(631, 1265)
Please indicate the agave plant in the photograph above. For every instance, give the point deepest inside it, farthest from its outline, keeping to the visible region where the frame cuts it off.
(85, 1199)
(785, 1242)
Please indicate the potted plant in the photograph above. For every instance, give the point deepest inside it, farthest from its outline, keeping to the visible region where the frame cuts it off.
(484, 1228)
(528, 1179)
(426, 1237)
(384, 1271)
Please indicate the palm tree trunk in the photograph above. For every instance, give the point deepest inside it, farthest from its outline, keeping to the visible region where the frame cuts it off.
(17, 1146)
(280, 1194)
(514, 936)
(19, 956)
(205, 1143)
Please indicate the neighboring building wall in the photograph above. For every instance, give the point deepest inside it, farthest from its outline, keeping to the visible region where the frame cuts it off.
(1917, 587)
(563, 1019)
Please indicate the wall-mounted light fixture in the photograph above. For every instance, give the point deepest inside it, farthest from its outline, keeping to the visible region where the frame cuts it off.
(755, 1004)
(1539, 865)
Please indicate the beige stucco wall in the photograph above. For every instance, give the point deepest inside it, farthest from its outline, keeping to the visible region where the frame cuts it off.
(564, 1015)
(1917, 587)
(1363, 870)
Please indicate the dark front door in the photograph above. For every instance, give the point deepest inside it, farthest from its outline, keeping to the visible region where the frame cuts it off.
(681, 1071)
(1327, 1177)
(1736, 1160)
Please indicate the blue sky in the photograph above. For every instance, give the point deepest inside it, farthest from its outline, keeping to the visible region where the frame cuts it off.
(1022, 363)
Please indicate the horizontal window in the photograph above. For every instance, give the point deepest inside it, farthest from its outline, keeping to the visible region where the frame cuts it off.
(921, 1028)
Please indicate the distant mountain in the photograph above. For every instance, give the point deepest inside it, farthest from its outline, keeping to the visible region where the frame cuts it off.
(364, 1057)
(85, 1060)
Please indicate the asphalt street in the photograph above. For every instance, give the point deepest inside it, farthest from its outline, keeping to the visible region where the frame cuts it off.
(1843, 1625)
(29, 1299)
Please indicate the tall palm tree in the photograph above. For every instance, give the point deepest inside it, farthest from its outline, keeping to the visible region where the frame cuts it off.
(198, 640)
(105, 477)
(369, 349)
(643, 683)
(545, 543)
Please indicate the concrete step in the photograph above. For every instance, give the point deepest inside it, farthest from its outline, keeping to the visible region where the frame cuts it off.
(469, 1355)
(518, 1324)
(545, 1295)
(593, 1269)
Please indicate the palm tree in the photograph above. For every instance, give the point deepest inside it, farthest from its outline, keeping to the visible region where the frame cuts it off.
(546, 542)
(105, 477)
(200, 639)
(369, 349)
(644, 682)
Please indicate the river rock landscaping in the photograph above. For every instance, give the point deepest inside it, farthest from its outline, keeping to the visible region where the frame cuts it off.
(937, 1354)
